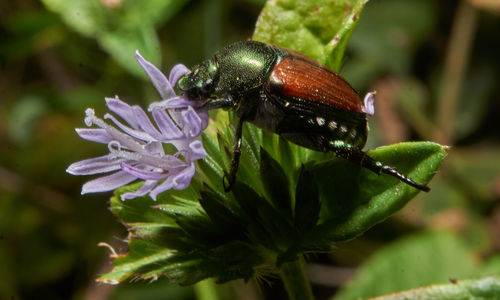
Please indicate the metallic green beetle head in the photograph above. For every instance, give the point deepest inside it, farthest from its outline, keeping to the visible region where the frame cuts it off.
(200, 83)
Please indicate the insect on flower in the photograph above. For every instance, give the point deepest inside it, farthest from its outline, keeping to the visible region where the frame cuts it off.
(136, 148)
(285, 92)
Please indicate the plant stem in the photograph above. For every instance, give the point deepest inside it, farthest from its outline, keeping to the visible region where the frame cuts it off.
(461, 39)
(295, 281)
(206, 290)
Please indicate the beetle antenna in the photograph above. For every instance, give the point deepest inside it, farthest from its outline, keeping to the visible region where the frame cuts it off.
(359, 157)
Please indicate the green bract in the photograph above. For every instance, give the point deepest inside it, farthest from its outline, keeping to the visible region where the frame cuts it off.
(284, 203)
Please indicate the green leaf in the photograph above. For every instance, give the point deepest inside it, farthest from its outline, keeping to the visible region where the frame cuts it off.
(141, 253)
(213, 152)
(168, 237)
(319, 29)
(121, 44)
(427, 258)
(87, 17)
(486, 288)
(154, 11)
(119, 30)
(154, 233)
(355, 199)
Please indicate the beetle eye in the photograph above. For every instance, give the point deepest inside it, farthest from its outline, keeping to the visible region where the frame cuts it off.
(207, 86)
(183, 83)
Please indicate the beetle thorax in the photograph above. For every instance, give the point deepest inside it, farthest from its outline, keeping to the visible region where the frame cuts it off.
(243, 67)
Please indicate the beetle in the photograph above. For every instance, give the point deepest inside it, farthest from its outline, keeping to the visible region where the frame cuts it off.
(288, 93)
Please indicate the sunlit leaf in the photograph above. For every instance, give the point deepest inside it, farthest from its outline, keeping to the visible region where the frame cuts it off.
(319, 29)
(411, 262)
(486, 288)
(355, 199)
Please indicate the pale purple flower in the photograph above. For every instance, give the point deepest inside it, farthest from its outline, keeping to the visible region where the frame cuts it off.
(136, 145)
(368, 103)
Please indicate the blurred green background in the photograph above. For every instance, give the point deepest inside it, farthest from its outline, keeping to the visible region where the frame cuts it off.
(434, 64)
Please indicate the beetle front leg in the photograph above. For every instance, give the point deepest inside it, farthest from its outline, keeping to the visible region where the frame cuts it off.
(356, 155)
(235, 161)
(216, 103)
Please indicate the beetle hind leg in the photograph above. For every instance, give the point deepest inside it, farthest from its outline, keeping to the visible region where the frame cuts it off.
(356, 155)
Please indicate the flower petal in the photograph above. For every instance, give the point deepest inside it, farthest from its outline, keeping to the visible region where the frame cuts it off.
(204, 119)
(138, 134)
(192, 122)
(176, 102)
(159, 80)
(108, 183)
(123, 110)
(142, 174)
(166, 125)
(164, 186)
(368, 107)
(96, 165)
(197, 150)
(155, 148)
(177, 180)
(98, 135)
(182, 180)
(136, 144)
(176, 72)
(145, 188)
(145, 123)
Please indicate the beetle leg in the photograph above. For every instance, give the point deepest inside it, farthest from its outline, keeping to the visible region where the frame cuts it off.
(356, 155)
(216, 103)
(235, 161)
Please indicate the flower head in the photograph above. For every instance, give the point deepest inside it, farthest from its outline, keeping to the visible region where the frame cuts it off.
(136, 145)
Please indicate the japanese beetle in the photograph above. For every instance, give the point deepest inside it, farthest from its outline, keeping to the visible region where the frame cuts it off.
(288, 93)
